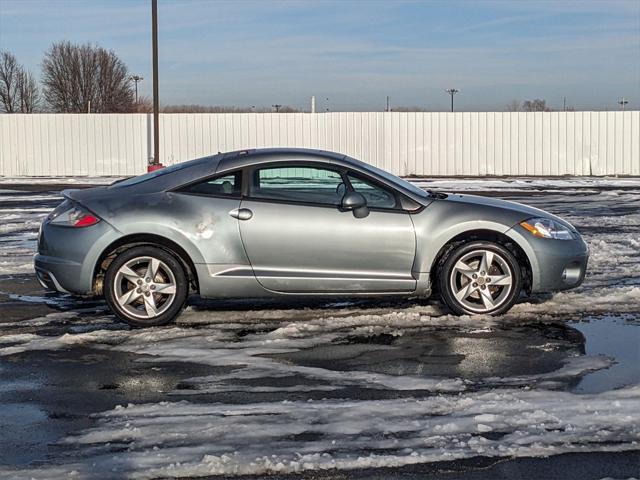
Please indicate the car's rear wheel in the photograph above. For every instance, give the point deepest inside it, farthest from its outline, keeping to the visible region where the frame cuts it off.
(480, 278)
(146, 286)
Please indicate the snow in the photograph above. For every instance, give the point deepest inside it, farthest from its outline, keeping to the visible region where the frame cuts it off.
(183, 439)
(8, 181)
(423, 418)
(526, 183)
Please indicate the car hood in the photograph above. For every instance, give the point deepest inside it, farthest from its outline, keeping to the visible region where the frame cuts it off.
(518, 208)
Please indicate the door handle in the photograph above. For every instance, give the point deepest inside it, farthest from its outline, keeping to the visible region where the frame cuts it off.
(241, 213)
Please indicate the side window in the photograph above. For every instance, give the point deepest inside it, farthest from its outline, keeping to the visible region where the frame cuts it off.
(228, 185)
(376, 196)
(298, 184)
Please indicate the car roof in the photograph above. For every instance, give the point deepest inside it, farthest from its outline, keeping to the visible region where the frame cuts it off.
(242, 158)
(185, 172)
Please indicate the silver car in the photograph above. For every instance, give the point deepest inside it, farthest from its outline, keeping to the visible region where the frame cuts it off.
(278, 222)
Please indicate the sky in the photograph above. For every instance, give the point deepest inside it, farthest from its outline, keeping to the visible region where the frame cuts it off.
(352, 54)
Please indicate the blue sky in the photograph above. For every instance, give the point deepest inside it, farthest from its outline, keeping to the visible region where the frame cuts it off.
(354, 53)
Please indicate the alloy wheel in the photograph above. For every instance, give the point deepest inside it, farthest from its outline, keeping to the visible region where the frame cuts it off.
(481, 280)
(144, 287)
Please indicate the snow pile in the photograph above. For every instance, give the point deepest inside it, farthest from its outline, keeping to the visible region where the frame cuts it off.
(19, 229)
(9, 181)
(526, 183)
(186, 440)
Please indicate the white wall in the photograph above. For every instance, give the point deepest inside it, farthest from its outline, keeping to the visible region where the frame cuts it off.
(440, 143)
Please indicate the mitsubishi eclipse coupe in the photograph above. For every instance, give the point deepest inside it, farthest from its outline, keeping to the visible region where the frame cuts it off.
(278, 222)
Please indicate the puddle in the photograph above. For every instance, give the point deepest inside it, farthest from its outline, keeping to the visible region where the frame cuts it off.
(496, 354)
(615, 337)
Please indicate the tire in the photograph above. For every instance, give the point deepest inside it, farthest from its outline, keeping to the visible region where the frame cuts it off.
(140, 298)
(468, 287)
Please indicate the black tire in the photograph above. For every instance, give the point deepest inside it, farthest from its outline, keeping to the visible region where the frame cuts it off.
(177, 302)
(504, 297)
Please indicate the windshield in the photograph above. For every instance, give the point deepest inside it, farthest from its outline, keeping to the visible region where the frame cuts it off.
(393, 178)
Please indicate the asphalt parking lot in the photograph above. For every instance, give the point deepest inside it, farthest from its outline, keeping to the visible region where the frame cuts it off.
(335, 389)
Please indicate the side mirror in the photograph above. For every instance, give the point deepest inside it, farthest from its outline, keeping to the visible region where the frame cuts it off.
(355, 202)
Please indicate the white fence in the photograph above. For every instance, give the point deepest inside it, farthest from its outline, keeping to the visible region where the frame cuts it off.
(432, 144)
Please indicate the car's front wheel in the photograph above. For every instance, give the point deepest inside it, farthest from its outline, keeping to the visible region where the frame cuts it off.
(480, 278)
(146, 286)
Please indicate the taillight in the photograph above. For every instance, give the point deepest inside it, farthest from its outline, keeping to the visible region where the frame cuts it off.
(83, 220)
(73, 216)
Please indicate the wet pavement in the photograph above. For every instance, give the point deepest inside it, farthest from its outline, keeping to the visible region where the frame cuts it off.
(341, 389)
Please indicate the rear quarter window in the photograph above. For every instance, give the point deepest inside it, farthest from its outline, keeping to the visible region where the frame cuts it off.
(227, 185)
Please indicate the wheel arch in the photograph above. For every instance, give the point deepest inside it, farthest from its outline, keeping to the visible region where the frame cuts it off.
(141, 239)
(488, 236)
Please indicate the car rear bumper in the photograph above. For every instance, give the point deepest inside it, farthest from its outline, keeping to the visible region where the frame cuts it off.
(51, 271)
(67, 257)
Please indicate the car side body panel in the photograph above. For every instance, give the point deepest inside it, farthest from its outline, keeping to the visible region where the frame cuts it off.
(307, 249)
(444, 219)
(201, 225)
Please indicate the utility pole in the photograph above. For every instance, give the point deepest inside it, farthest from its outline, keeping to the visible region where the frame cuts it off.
(313, 104)
(277, 106)
(155, 162)
(388, 104)
(452, 92)
(622, 103)
(564, 104)
(135, 79)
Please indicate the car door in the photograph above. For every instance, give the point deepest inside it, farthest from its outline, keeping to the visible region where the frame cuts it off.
(299, 240)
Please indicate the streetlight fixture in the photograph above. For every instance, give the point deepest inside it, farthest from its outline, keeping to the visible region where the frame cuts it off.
(277, 106)
(135, 79)
(452, 92)
(622, 103)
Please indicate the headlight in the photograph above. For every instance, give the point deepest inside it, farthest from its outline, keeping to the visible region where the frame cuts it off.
(547, 228)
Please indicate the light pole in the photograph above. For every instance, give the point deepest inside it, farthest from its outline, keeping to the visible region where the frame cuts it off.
(135, 79)
(155, 163)
(452, 92)
(277, 106)
(622, 103)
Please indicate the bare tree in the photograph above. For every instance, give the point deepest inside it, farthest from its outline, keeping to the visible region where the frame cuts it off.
(409, 109)
(29, 93)
(83, 78)
(288, 109)
(194, 108)
(9, 72)
(18, 88)
(536, 105)
(144, 105)
(513, 106)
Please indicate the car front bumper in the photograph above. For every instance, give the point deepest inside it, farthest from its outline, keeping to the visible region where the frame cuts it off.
(560, 272)
(555, 264)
